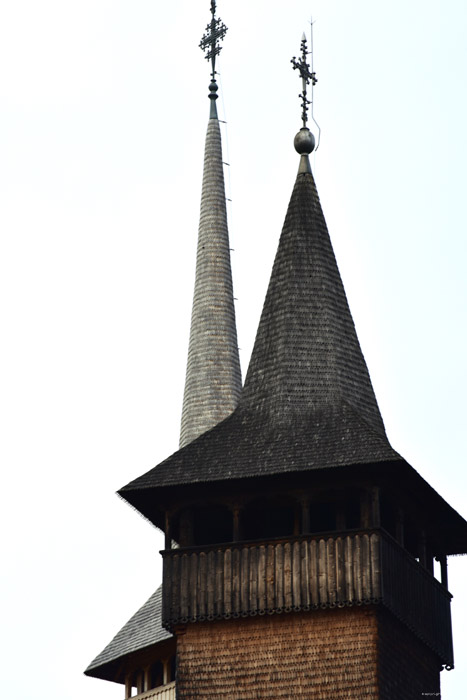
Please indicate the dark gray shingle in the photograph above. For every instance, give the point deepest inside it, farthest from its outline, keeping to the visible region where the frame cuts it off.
(308, 402)
(142, 630)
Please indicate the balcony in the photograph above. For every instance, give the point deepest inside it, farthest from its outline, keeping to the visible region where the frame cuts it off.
(307, 573)
(164, 692)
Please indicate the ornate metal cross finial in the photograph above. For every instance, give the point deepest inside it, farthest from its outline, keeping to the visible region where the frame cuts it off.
(306, 75)
(210, 43)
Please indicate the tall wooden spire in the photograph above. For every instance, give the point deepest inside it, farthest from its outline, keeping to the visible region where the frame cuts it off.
(305, 545)
(213, 378)
(297, 506)
(142, 654)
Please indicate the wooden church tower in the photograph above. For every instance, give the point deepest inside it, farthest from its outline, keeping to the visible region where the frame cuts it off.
(299, 545)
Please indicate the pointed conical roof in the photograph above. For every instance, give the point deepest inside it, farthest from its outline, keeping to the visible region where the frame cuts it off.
(307, 358)
(307, 402)
(213, 378)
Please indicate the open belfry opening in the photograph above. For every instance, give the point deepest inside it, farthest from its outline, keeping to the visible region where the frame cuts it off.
(299, 546)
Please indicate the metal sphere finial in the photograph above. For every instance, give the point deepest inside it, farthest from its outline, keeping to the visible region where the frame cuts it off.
(304, 142)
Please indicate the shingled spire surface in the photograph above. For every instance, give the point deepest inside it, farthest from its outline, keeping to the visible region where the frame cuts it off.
(307, 359)
(307, 402)
(213, 378)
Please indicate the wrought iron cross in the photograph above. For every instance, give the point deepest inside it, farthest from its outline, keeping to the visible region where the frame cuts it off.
(210, 43)
(306, 75)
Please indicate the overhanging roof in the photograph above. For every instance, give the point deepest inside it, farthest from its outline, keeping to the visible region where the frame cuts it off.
(143, 630)
(308, 403)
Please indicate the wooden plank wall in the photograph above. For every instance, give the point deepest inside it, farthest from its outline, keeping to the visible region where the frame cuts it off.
(259, 578)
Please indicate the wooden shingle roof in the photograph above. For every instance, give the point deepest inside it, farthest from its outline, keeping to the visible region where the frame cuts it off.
(143, 630)
(213, 377)
(307, 357)
(308, 402)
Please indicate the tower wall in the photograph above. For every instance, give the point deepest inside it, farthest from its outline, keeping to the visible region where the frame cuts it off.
(341, 653)
(407, 668)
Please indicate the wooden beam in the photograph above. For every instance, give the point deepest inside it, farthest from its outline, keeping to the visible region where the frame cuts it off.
(166, 671)
(375, 507)
(443, 560)
(186, 528)
(305, 503)
(400, 525)
(147, 678)
(139, 682)
(365, 509)
(422, 549)
(237, 524)
(429, 557)
(296, 521)
(168, 531)
(340, 516)
(128, 686)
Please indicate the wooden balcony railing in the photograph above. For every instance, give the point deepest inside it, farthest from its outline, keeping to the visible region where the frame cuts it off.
(164, 692)
(417, 599)
(306, 573)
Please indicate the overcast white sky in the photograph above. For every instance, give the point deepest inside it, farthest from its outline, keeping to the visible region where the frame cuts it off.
(103, 111)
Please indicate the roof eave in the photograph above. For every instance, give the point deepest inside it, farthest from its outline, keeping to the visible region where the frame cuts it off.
(152, 502)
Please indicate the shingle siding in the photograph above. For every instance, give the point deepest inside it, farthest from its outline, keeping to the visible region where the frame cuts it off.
(322, 655)
(345, 653)
(407, 669)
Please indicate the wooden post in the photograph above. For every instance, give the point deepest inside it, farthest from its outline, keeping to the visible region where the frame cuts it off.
(186, 528)
(237, 525)
(296, 520)
(365, 509)
(139, 682)
(443, 560)
(128, 686)
(168, 531)
(429, 557)
(340, 517)
(375, 507)
(166, 671)
(400, 526)
(147, 678)
(305, 516)
(422, 549)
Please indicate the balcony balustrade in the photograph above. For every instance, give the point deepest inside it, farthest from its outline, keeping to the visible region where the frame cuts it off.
(306, 573)
(164, 692)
